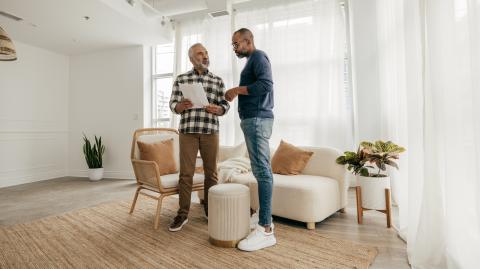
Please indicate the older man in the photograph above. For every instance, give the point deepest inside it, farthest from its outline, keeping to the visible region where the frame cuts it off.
(198, 129)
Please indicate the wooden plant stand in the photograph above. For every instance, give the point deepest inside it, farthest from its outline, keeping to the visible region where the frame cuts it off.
(360, 209)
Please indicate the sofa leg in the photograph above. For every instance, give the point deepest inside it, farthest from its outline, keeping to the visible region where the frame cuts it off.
(202, 202)
(342, 210)
(311, 225)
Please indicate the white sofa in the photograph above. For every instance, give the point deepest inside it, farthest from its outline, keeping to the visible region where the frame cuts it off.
(320, 190)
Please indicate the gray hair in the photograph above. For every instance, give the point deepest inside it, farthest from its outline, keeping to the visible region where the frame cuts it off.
(190, 50)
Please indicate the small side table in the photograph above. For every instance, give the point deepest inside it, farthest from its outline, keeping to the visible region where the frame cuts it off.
(228, 214)
(386, 211)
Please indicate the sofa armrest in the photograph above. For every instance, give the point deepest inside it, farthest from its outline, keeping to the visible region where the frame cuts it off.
(323, 163)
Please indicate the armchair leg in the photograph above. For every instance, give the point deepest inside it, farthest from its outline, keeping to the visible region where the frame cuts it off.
(311, 225)
(135, 199)
(157, 215)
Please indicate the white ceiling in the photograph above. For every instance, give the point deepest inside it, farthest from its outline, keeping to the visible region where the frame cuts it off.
(174, 7)
(185, 8)
(59, 25)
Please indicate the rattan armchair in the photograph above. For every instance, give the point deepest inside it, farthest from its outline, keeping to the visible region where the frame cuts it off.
(147, 174)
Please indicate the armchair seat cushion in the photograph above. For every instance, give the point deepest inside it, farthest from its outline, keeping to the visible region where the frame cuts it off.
(171, 180)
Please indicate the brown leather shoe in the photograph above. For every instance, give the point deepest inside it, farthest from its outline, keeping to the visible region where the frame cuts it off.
(178, 223)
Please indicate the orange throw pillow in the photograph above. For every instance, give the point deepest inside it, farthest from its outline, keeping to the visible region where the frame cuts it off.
(289, 160)
(161, 153)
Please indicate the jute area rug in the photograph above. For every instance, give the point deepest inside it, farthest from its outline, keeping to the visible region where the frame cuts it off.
(106, 236)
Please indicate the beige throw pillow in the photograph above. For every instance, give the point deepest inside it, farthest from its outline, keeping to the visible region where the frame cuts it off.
(289, 160)
(161, 153)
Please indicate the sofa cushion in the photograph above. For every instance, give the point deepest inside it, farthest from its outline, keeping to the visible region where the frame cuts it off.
(229, 152)
(160, 152)
(289, 160)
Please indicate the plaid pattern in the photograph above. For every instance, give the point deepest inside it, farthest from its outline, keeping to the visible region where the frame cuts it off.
(197, 120)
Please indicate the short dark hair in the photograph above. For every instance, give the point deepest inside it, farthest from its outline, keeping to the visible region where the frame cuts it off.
(245, 33)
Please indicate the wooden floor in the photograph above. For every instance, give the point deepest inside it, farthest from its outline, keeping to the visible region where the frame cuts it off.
(23, 203)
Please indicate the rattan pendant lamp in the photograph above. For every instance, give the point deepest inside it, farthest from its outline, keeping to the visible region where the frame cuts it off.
(7, 49)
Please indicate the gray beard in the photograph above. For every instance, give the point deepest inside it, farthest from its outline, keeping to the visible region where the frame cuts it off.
(203, 66)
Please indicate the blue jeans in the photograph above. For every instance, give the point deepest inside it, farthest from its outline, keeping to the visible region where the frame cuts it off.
(257, 131)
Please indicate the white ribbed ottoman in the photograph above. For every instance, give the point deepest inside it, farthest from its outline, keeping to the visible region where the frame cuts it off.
(228, 214)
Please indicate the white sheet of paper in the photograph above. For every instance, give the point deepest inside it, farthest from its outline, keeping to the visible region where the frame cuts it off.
(195, 93)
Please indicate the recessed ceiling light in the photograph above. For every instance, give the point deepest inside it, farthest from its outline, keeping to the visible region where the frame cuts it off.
(86, 18)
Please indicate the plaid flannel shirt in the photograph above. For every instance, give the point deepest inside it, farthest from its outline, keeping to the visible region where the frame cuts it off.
(197, 120)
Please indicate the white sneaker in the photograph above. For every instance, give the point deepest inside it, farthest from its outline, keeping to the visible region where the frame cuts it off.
(254, 221)
(257, 239)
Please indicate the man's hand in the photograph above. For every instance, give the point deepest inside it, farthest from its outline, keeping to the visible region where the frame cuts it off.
(183, 105)
(231, 94)
(214, 109)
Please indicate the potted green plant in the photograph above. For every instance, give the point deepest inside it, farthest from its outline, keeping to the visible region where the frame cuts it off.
(362, 163)
(93, 156)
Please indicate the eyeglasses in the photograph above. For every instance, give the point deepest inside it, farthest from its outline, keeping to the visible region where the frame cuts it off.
(236, 44)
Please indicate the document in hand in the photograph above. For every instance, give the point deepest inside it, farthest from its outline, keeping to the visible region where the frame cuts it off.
(195, 93)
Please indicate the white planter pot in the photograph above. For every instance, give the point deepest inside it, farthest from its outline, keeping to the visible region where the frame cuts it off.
(95, 174)
(373, 191)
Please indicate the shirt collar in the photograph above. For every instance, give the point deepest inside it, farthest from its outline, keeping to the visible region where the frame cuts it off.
(194, 71)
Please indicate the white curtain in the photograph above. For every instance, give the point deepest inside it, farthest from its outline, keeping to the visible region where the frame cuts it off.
(305, 41)
(215, 35)
(430, 52)
(393, 71)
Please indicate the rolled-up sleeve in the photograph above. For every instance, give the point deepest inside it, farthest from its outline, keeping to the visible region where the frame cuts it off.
(175, 97)
(221, 98)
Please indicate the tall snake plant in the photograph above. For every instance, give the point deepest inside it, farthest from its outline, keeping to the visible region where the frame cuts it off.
(93, 155)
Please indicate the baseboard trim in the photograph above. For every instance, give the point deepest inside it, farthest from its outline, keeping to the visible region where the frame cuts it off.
(24, 178)
(107, 174)
(34, 175)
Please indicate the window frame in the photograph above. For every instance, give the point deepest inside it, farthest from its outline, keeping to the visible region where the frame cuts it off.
(155, 120)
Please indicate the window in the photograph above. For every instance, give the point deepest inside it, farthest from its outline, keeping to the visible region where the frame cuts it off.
(163, 66)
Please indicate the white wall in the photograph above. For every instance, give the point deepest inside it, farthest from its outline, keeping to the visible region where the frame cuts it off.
(33, 116)
(106, 99)
(366, 78)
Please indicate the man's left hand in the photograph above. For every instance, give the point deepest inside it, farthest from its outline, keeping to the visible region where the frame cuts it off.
(214, 109)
